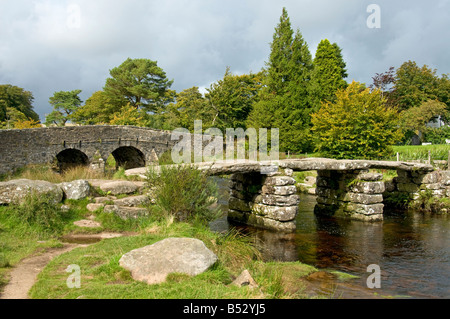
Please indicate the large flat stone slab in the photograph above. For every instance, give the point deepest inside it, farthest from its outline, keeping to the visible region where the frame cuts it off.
(305, 164)
(152, 264)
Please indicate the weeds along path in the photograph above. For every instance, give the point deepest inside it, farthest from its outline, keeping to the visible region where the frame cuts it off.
(23, 276)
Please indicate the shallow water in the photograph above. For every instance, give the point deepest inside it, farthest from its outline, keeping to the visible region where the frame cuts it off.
(412, 249)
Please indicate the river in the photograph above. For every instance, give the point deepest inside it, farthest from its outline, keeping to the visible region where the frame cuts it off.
(412, 250)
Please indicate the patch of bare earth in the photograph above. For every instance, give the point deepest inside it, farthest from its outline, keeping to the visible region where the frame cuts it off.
(23, 276)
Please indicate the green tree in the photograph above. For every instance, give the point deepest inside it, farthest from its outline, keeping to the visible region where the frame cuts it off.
(190, 105)
(98, 109)
(232, 99)
(415, 85)
(357, 125)
(328, 75)
(283, 102)
(415, 119)
(16, 98)
(129, 115)
(64, 103)
(141, 83)
(16, 119)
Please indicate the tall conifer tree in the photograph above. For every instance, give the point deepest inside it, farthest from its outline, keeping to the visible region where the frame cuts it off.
(328, 75)
(283, 101)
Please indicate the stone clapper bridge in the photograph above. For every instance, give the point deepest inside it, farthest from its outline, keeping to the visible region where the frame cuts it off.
(262, 194)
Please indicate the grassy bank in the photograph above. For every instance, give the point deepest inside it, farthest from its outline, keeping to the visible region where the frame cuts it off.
(102, 277)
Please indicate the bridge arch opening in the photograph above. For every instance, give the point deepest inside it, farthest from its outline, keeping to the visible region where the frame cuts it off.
(128, 157)
(71, 158)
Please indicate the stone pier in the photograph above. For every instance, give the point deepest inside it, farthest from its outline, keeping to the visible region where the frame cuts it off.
(350, 194)
(263, 201)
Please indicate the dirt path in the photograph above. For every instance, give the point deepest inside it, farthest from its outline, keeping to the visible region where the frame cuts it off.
(24, 275)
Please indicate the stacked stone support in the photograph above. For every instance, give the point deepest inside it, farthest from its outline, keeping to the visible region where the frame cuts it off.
(350, 194)
(412, 183)
(264, 201)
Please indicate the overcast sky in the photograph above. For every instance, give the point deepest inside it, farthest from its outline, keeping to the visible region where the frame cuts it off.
(48, 45)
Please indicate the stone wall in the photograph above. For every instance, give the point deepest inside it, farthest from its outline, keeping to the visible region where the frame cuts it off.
(265, 201)
(350, 194)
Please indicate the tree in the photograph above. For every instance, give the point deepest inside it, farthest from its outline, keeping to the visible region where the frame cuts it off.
(328, 74)
(129, 115)
(98, 109)
(64, 103)
(357, 125)
(385, 83)
(415, 85)
(232, 99)
(283, 102)
(16, 98)
(190, 106)
(141, 83)
(27, 124)
(415, 119)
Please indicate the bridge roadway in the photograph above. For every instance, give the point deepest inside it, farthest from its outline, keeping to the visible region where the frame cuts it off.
(304, 164)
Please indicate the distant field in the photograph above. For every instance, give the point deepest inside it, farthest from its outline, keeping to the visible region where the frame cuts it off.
(420, 152)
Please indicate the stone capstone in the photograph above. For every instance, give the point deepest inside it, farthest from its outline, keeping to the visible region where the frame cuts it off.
(16, 190)
(151, 264)
(78, 189)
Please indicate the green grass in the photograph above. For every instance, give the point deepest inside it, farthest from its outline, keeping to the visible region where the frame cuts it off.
(103, 278)
(420, 152)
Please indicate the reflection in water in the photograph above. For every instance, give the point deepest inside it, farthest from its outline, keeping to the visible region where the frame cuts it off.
(412, 249)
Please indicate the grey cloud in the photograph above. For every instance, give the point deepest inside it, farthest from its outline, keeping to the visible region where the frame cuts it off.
(194, 41)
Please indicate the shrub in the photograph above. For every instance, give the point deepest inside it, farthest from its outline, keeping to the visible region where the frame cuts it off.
(357, 125)
(436, 135)
(39, 212)
(184, 192)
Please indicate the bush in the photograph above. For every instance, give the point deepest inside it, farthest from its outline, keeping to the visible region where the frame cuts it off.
(184, 192)
(357, 125)
(39, 212)
(436, 135)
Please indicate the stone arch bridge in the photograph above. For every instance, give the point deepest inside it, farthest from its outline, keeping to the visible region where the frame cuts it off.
(74, 145)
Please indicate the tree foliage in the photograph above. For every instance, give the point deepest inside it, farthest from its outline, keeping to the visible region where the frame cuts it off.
(231, 99)
(16, 98)
(98, 109)
(190, 105)
(416, 118)
(357, 125)
(129, 115)
(415, 85)
(283, 102)
(64, 103)
(328, 74)
(141, 82)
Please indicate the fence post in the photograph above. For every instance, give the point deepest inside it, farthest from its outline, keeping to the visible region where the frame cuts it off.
(429, 157)
(448, 161)
(398, 156)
